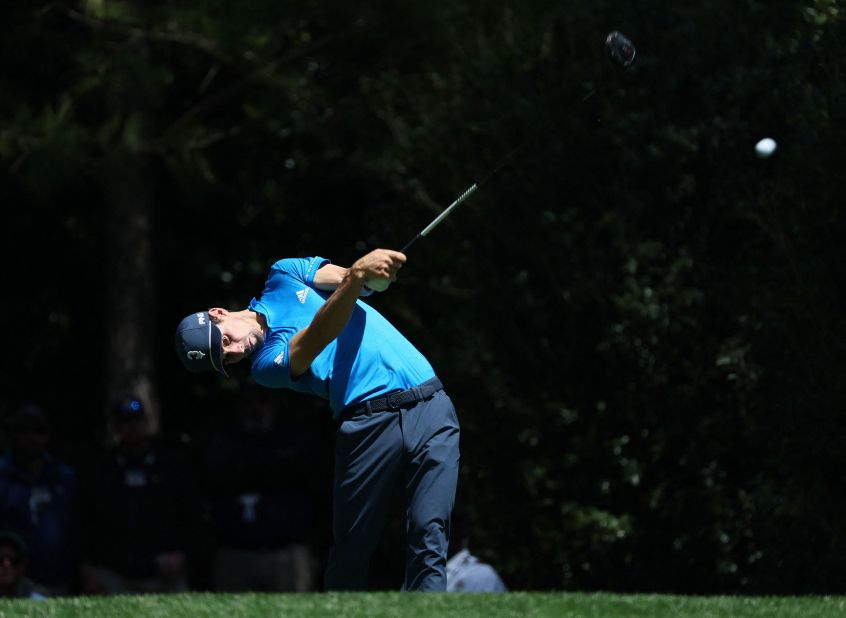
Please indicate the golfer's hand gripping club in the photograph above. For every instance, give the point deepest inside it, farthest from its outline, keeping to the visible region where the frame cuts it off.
(379, 268)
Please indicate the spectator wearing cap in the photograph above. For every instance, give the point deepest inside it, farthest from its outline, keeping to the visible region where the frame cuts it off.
(37, 501)
(140, 508)
(13, 562)
(467, 573)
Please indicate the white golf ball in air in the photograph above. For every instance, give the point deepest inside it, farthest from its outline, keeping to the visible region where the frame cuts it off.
(765, 147)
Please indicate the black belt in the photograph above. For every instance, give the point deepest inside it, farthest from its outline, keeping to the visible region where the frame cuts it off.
(394, 401)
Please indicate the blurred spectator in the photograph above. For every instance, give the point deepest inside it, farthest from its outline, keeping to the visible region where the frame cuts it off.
(141, 510)
(13, 563)
(465, 572)
(37, 501)
(259, 476)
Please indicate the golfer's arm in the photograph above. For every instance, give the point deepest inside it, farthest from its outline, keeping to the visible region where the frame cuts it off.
(327, 323)
(328, 277)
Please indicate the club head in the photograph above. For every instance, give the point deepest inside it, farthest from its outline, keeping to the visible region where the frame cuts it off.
(620, 49)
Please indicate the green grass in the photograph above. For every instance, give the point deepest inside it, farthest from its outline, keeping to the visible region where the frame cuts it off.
(558, 605)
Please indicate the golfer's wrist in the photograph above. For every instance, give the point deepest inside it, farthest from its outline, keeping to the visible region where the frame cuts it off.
(356, 274)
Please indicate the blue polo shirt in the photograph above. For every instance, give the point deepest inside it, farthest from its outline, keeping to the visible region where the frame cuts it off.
(368, 359)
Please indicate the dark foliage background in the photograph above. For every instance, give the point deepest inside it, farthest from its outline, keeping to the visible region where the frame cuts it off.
(637, 318)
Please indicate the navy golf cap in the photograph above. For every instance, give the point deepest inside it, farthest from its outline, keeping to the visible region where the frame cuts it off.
(198, 344)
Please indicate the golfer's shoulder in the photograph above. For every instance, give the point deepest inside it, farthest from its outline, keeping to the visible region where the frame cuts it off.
(270, 369)
(285, 263)
(302, 268)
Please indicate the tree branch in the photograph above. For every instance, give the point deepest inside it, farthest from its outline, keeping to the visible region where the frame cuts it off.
(209, 46)
(222, 97)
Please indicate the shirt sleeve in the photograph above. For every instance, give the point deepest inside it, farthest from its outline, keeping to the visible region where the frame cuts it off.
(288, 308)
(272, 369)
(301, 269)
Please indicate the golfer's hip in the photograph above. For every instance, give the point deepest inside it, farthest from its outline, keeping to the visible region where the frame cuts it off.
(394, 401)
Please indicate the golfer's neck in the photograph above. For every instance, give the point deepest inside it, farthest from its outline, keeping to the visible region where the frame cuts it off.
(261, 321)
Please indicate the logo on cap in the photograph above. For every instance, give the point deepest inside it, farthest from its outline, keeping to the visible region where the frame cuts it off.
(195, 355)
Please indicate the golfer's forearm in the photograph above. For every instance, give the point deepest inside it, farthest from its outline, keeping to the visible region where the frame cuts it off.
(334, 314)
(327, 323)
(329, 277)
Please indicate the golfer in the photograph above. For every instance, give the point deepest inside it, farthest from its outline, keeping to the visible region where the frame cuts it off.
(310, 332)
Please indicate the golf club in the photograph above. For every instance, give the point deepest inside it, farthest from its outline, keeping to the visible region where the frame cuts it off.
(620, 50)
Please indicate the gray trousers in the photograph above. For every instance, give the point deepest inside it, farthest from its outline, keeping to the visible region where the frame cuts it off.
(416, 448)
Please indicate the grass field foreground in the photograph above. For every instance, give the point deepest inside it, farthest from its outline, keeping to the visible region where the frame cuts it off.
(375, 605)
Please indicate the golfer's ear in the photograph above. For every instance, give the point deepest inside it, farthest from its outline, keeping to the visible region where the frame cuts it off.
(218, 312)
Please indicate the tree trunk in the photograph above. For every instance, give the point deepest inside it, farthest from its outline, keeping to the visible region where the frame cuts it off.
(131, 293)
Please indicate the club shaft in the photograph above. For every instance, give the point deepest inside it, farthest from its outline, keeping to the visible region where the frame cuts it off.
(622, 51)
(442, 216)
(493, 171)
(409, 243)
(448, 210)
